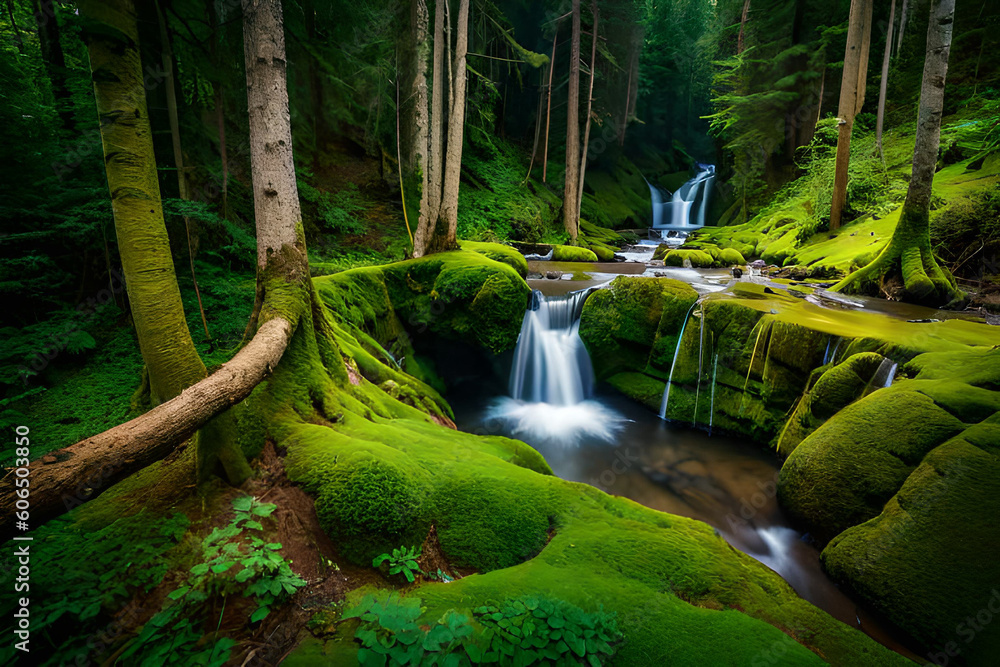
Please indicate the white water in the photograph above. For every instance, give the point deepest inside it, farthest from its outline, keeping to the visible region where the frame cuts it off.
(670, 378)
(687, 205)
(552, 378)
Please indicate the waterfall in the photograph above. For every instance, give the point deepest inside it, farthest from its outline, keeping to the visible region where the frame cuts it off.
(551, 365)
(551, 380)
(711, 412)
(670, 378)
(885, 373)
(687, 205)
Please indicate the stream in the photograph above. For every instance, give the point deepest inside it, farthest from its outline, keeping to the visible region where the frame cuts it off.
(594, 435)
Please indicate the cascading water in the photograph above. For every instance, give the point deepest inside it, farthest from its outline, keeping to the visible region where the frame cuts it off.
(552, 378)
(677, 351)
(686, 209)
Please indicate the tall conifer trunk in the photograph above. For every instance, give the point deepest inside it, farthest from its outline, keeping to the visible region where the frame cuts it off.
(571, 184)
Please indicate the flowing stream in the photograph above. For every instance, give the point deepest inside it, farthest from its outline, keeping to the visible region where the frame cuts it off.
(604, 439)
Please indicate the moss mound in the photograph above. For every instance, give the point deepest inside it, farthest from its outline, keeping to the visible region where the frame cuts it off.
(568, 253)
(632, 319)
(696, 258)
(499, 253)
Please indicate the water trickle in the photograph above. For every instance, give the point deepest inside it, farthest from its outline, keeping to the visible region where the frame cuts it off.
(885, 373)
(701, 352)
(670, 378)
(711, 410)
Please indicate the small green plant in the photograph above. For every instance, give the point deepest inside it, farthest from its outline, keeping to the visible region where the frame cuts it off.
(264, 574)
(523, 631)
(401, 561)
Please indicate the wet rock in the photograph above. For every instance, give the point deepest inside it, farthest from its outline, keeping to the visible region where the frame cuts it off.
(534, 276)
(553, 275)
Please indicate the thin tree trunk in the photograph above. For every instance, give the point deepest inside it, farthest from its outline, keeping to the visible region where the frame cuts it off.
(167, 57)
(446, 234)
(848, 106)
(548, 110)
(54, 59)
(880, 120)
(571, 182)
(590, 104)
(220, 116)
(866, 44)
(13, 26)
(904, 15)
(436, 135)
(414, 140)
(743, 23)
(538, 125)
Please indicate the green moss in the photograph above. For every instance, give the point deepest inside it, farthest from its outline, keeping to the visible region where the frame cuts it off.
(640, 387)
(499, 253)
(632, 319)
(928, 560)
(568, 253)
(845, 472)
(696, 258)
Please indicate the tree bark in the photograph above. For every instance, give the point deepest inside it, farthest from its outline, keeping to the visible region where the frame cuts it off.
(909, 258)
(590, 105)
(866, 44)
(883, 85)
(54, 59)
(414, 140)
(446, 234)
(167, 58)
(548, 110)
(848, 106)
(78, 473)
(571, 182)
(743, 23)
(157, 311)
(904, 15)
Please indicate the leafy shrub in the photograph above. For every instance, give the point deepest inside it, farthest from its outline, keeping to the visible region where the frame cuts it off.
(522, 631)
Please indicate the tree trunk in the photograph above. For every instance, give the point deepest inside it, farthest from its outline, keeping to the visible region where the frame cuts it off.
(414, 139)
(220, 115)
(908, 258)
(76, 474)
(880, 120)
(55, 61)
(446, 234)
(904, 14)
(548, 110)
(167, 58)
(167, 349)
(743, 23)
(571, 182)
(13, 26)
(866, 43)
(590, 105)
(849, 88)
(428, 220)
(538, 123)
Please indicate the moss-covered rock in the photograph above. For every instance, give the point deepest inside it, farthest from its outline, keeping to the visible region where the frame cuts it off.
(499, 253)
(696, 258)
(928, 560)
(632, 319)
(569, 253)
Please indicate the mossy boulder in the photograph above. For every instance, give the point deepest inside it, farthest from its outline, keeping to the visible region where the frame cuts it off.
(499, 253)
(634, 318)
(833, 388)
(604, 253)
(568, 253)
(695, 258)
(845, 471)
(928, 560)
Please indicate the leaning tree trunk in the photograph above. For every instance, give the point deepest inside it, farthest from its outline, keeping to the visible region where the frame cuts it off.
(548, 108)
(446, 234)
(907, 267)
(849, 89)
(571, 182)
(54, 59)
(904, 14)
(883, 85)
(743, 23)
